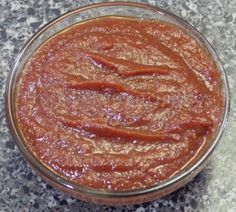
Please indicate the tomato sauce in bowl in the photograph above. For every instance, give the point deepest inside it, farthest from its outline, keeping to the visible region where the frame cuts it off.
(119, 103)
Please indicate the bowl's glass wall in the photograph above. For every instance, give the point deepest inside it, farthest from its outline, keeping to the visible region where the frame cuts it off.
(82, 14)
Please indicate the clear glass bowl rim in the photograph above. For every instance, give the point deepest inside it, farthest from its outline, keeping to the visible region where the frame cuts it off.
(101, 192)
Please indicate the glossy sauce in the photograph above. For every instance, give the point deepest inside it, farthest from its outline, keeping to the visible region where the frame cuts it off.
(118, 103)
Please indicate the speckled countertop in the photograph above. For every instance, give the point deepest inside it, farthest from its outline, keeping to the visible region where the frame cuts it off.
(214, 189)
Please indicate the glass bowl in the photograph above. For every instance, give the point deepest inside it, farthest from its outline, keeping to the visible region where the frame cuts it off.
(102, 196)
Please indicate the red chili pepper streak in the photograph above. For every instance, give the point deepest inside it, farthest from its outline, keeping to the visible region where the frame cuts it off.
(118, 103)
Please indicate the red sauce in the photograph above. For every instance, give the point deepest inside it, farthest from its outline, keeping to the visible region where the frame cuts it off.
(118, 103)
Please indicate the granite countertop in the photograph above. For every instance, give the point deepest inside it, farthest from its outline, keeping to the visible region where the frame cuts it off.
(214, 189)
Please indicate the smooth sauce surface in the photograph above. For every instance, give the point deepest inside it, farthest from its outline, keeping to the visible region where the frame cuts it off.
(118, 103)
